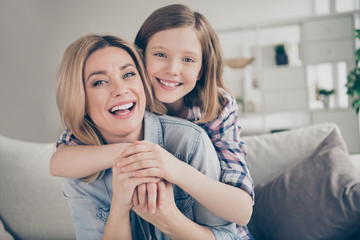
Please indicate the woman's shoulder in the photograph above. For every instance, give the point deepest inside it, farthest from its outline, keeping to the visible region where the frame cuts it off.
(179, 123)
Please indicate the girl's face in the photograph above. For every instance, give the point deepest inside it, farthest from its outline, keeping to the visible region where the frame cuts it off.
(173, 61)
(115, 97)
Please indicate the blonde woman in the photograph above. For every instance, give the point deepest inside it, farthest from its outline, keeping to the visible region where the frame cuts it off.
(102, 94)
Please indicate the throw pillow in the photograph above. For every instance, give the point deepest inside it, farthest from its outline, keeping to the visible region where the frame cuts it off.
(315, 199)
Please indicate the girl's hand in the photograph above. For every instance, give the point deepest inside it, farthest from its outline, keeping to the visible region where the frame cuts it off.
(124, 185)
(145, 159)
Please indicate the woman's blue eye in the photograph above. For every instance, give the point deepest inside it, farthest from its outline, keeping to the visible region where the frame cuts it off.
(130, 74)
(99, 82)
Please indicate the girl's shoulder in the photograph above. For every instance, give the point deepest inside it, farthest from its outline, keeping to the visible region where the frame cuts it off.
(230, 106)
(228, 115)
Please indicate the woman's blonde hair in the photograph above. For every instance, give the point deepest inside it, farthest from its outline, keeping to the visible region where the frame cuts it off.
(206, 93)
(70, 91)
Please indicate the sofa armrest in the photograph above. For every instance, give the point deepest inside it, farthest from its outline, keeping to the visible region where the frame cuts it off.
(31, 201)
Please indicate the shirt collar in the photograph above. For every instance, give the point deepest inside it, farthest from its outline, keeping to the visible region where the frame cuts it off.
(152, 129)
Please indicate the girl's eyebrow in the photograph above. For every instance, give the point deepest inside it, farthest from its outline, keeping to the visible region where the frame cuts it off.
(103, 72)
(185, 52)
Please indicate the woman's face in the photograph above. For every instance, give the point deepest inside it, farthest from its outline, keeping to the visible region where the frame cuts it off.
(173, 61)
(115, 97)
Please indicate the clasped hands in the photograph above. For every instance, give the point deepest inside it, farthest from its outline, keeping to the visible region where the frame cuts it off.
(142, 180)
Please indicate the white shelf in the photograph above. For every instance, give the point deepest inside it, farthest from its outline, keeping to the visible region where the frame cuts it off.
(278, 97)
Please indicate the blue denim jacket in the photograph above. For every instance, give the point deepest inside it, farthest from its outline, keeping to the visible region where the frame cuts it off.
(90, 202)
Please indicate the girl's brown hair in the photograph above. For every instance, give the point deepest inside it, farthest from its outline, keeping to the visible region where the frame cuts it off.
(206, 93)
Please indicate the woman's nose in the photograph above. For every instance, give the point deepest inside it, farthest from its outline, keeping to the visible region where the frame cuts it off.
(119, 89)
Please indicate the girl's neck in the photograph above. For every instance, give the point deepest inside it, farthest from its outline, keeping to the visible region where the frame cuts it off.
(177, 109)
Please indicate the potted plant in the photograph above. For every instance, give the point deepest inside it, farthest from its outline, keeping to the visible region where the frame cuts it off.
(353, 79)
(281, 57)
(324, 96)
(240, 103)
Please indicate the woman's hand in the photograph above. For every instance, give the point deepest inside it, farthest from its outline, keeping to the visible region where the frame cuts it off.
(165, 211)
(145, 159)
(145, 197)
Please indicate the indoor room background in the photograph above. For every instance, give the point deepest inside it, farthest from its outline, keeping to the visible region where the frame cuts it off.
(271, 96)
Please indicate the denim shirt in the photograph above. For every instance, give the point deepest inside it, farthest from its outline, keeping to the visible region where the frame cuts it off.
(90, 202)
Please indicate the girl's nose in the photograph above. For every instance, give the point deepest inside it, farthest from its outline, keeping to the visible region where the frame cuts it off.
(173, 68)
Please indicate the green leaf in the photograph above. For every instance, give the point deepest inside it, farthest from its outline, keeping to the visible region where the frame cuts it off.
(356, 103)
(357, 33)
(357, 55)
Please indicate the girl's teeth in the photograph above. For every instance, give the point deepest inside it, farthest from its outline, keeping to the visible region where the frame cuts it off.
(170, 84)
(122, 107)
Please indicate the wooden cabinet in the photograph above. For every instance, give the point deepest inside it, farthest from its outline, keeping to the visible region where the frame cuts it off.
(327, 29)
(282, 97)
(329, 51)
(328, 39)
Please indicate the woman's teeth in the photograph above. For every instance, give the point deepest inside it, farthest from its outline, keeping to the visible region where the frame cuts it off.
(121, 107)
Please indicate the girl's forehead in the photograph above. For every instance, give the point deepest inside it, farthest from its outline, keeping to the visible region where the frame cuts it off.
(179, 38)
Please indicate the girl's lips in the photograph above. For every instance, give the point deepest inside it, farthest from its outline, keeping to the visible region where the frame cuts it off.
(168, 84)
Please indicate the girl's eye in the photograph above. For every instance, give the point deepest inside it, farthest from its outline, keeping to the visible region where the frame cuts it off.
(99, 82)
(160, 55)
(129, 74)
(188, 60)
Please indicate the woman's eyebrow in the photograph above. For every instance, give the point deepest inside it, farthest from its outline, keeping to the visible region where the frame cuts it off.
(95, 73)
(127, 65)
(103, 72)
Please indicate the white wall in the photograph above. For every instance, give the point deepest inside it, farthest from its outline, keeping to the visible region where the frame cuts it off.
(34, 34)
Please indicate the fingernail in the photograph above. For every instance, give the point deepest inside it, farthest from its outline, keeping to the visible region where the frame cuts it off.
(152, 211)
(123, 169)
(143, 210)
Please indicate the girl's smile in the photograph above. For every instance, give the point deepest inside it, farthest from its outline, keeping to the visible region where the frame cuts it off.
(168, 84)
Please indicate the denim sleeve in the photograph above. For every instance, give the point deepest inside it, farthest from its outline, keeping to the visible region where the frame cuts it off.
(205, 160)
(88, 218)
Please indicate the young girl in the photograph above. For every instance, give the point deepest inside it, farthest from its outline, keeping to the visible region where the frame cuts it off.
(104, 75)
(184, 61)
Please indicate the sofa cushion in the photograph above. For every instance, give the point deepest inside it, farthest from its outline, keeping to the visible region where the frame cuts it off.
(268, 155)
(316, 199)
(31, 201)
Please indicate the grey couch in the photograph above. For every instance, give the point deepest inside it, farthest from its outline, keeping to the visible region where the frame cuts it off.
(32, 206)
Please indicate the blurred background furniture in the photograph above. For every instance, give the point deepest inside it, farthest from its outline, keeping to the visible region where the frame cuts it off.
(32, 205)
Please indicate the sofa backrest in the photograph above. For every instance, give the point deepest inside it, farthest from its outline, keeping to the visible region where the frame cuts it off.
(269, 155)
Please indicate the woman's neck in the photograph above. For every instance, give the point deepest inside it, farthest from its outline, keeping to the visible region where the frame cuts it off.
(177, 109)
(136, 135)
